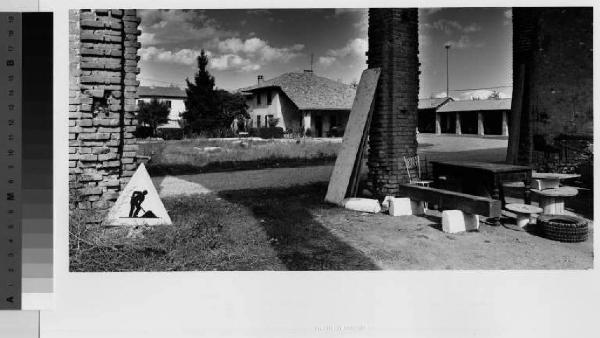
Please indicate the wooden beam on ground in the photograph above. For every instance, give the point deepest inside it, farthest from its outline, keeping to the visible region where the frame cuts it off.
(451, 200)
(354, 138)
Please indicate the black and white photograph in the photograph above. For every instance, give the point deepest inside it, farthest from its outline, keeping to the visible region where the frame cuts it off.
(331, 139)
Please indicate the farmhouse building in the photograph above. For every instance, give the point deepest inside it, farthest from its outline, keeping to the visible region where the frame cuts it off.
(300, 102)
(427, 110)
(481, 117)
(173, 96)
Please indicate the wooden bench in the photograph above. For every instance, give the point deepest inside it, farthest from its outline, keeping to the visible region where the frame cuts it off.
(452, 200)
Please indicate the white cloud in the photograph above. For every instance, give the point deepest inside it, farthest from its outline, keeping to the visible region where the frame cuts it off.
(326, 61)
(258, 49)
(356, 47)
(463, 43)
(233, 62)
(183, 56)
(175, 26)
(508, 16)
(428, 11)
(451, 26)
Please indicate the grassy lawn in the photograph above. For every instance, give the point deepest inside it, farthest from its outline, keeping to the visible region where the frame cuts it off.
(187, 156)
(292, 229)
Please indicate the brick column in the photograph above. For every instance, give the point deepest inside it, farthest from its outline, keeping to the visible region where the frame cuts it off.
(103, 88)
(393, 47)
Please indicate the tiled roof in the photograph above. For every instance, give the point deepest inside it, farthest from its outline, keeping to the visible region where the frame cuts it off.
(433, 103)
(476, 105)
(309, 91)
(173, 92)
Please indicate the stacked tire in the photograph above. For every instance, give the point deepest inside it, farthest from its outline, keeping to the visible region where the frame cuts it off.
(563, 228)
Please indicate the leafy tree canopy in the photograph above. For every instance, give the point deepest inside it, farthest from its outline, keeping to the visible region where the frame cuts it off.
(153, 114)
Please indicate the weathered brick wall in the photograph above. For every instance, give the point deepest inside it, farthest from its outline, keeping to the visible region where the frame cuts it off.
(393, 47)
(103, 88)
(555, 45)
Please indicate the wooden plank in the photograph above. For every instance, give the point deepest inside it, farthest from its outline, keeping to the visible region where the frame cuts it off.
(355, 177)
(512, 152)
(451, 200)
(353, 137)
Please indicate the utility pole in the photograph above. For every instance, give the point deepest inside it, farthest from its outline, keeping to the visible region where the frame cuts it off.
(447, 46)
(311, 62)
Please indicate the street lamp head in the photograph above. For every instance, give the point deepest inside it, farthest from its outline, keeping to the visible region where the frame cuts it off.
(447, 46)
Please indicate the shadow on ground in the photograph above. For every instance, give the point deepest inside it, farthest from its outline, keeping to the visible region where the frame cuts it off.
(300, 240)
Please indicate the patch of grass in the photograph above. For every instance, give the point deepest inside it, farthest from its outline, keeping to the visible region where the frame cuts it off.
(207, 234)
(187, 156)
(262, 229)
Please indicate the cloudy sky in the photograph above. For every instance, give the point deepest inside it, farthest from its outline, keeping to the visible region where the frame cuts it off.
(245, 43)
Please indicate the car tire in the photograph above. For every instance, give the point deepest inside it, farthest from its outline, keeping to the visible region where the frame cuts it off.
(563, 228)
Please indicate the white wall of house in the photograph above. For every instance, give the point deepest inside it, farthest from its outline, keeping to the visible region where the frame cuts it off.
(257, 111)
(177, 106)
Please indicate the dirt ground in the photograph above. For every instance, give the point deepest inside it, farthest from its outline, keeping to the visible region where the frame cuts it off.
(348, 240)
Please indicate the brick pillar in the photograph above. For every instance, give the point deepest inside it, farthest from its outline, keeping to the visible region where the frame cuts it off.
(393, 47)
(103, 87)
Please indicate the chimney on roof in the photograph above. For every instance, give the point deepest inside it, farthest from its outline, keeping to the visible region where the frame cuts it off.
(260, 79)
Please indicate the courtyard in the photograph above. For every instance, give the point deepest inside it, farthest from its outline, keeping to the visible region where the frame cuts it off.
(275, 219)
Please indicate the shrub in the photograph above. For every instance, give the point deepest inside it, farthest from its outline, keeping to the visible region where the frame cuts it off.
(270, 132)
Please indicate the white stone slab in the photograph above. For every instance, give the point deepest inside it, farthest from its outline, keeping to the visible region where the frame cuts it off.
(355, 130)
(362, 204)
(119, 214)
(400, 207)
(454, 221)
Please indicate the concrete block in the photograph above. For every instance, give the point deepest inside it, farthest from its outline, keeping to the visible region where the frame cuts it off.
(454, 221)
(400, 207)
(362, 204)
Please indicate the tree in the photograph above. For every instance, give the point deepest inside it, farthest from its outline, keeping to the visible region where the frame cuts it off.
(231, 106)
(208, 109)
(153, 114)
(200, 104)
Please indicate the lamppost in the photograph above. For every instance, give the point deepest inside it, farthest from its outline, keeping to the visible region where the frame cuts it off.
(447, 46)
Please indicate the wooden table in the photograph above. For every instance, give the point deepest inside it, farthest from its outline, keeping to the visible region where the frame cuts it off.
(489, 175)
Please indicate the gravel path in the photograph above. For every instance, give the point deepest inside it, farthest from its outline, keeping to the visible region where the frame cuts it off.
(442, 147)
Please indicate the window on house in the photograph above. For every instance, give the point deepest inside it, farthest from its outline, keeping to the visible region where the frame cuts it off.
(267, 120)
(258, 121)
(258, 99)
(269, 98)
(168, 102)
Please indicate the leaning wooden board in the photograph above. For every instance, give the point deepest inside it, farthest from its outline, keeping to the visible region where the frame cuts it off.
(354, 134)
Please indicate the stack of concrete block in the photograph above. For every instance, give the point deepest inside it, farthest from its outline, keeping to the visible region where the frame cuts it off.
(393, 47)
(102, 104)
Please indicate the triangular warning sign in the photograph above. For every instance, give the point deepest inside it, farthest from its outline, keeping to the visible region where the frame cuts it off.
(138, 203)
